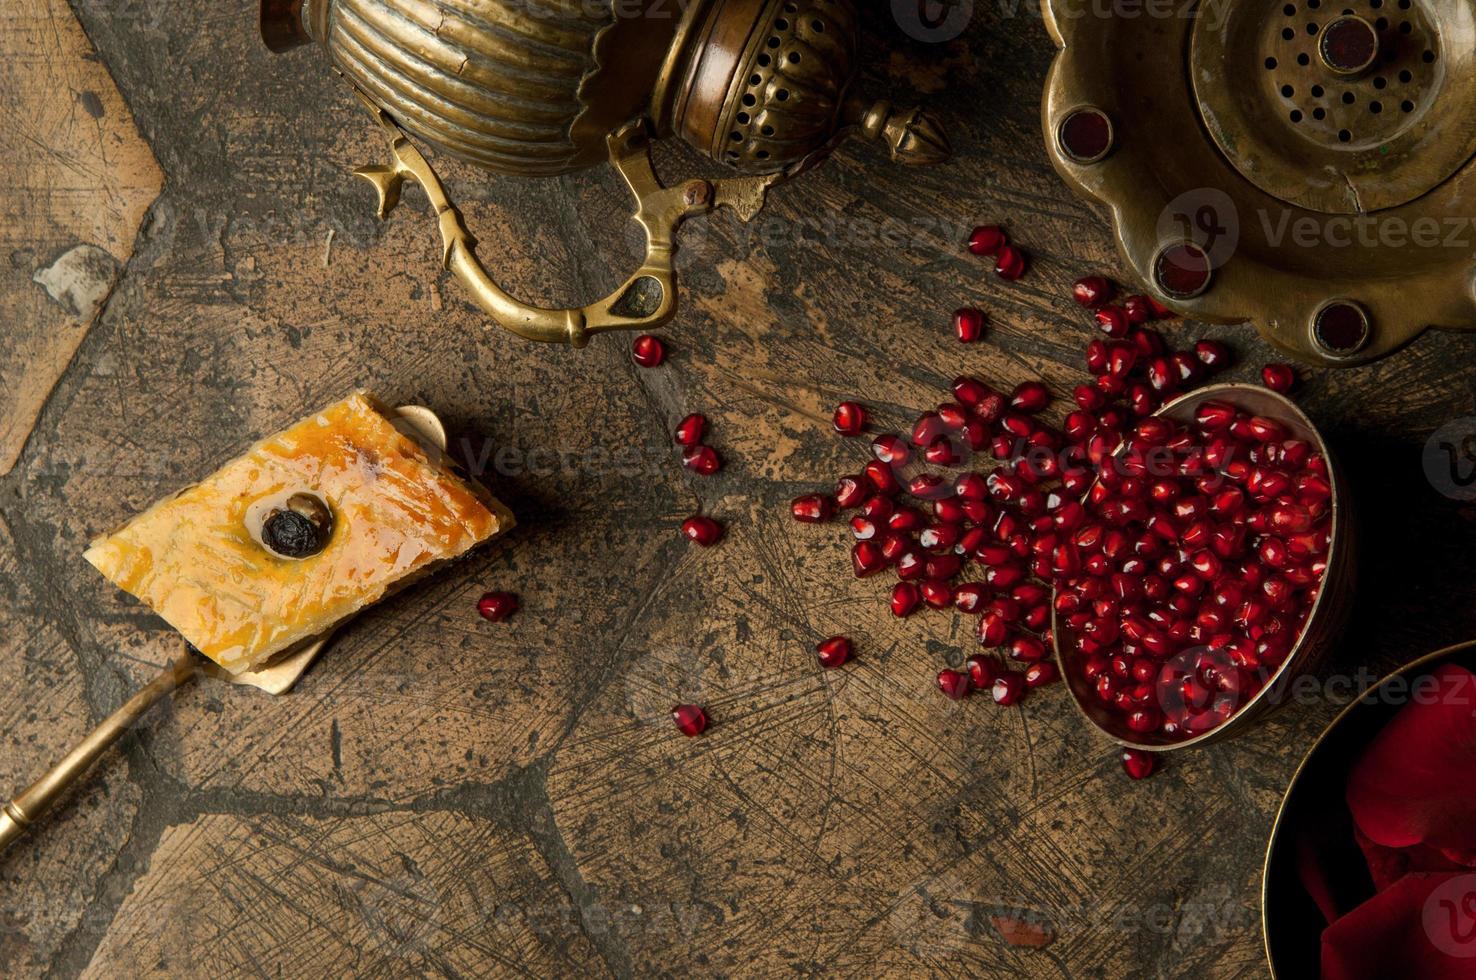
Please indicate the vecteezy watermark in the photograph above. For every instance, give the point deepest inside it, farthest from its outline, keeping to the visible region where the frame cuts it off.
(933, 21)
(1450, 459)
(1208, 217)
(1205, 216)
(1449, 917)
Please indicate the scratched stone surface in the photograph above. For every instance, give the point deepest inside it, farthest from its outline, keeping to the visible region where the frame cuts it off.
(441, 796)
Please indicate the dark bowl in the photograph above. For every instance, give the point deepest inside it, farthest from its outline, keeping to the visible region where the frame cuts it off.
(1290, 923)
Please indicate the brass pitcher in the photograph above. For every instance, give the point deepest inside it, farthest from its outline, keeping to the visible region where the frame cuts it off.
(538, 87)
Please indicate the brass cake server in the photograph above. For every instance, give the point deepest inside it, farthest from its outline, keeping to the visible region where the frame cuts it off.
(275, 677)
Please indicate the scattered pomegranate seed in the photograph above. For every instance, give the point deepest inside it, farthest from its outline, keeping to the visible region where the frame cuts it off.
(1041, 674)
(1010, 263)
(690, 719)
(954, 684)
(1113, 320)
(982, 671)
(906, 598)
(1138, 310)
(702, 460)
(987, 240)
(1008, 689)
(1030, 397)
(968, 324)
(891, 448)
(812, 508)
(833, 652)
(1214, 355)
(970, 391)
(1139, 764)
(867, 558)
(1279, 377)
(690, 430)
(702, 530)
(1092, 291)
(850, 419)
(497, 606)
(648, 351)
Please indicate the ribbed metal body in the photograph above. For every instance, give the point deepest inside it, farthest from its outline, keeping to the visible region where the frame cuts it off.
(506, 84)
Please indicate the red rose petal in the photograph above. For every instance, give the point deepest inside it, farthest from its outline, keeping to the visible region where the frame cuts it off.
(1421, 928)
(1413, 784)
(1386, 865)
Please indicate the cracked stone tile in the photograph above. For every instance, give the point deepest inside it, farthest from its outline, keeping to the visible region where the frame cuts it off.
(78, 181)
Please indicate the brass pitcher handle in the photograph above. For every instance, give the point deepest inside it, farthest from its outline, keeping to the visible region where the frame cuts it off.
(30, 804)
(646, 300)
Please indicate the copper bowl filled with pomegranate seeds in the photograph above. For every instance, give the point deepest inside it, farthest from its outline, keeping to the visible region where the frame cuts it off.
(1214, 566)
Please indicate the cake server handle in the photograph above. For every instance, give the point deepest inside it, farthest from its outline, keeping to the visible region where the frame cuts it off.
(31, 803)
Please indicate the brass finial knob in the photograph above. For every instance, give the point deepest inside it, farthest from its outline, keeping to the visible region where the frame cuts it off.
(913, 136)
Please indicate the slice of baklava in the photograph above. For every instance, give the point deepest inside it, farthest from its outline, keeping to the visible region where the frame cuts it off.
(310, 526)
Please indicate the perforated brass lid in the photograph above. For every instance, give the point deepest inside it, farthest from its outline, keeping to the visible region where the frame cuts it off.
(1304, 164)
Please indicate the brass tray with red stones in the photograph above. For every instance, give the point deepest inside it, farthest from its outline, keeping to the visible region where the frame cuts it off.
(1302, 164)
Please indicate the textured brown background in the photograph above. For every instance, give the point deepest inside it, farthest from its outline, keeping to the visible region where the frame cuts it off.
(440, 796)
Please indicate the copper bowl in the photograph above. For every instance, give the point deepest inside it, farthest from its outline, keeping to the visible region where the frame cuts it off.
(1290, 923)
(1324, 623)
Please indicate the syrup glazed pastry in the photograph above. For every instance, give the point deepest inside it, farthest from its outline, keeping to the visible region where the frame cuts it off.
(310, 526)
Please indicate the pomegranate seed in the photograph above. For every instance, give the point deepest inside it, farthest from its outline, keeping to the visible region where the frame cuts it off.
(878, 508)
(891, 448)
(1092, 291)
(940, 452)
(982, 671)
(1266, 430)
(970, 391)
(702, 460)
(1113, 321)
(1143, 720)
(690, 430)
(1096, 356)
(1214, 416)
(867, 558)
(1030, 397)
(849, 419)
(1027, 649)
(701, 530)
(648, 351)
(497, 606)
(863, 528)
(937, 593)
(1139, 764)
(1008, 689)
(833, 652)
(928, 486)
(1279, 377)
(1010, 263)
(882, 478)
(1138, 309)
(969, 597)
(987, 240)
(690, 719)
(953, 415)
(906, 598)
(954, 684)
(850, 491)
(968, 324)
(1212, 354)
(1041, 674)
(812, 508)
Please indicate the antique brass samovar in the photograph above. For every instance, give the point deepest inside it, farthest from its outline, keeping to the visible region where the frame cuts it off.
(538, 87)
